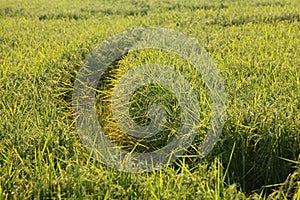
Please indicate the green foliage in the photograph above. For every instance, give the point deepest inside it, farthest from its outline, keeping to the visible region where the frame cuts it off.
(255, 45)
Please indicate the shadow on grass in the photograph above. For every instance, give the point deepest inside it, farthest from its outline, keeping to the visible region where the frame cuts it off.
(258, 158)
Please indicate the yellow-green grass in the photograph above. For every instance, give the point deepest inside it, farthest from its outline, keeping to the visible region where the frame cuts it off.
(254, 44)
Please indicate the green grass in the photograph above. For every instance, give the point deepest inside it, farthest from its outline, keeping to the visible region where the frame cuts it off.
(254, 44)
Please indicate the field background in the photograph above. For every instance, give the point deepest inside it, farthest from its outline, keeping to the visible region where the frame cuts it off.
(255, 45)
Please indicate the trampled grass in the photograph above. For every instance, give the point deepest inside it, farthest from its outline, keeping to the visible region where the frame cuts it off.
(255, 46)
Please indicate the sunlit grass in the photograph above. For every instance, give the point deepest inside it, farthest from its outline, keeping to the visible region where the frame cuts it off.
(255, 45)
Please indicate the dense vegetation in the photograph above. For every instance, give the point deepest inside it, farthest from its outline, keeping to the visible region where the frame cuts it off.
(255, 45)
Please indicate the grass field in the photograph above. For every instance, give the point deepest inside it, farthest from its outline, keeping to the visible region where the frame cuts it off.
(254, 44)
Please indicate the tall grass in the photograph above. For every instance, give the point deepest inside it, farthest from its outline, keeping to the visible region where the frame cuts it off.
(255, 47)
